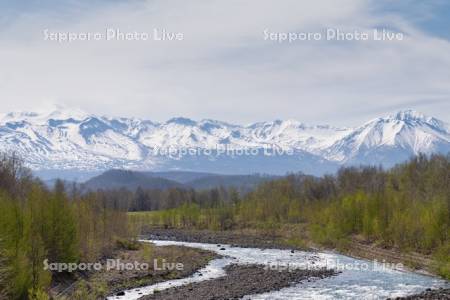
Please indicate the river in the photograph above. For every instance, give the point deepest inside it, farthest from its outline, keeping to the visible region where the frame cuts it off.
(358, 279)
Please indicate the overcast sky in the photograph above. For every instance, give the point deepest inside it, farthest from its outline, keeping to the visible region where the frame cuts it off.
(224, 68)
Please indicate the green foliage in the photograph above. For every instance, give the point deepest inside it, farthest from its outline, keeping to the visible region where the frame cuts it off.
(147, 252)
(82, 291)
(60, 229)
(14, 267)
(37, 224)
(442, 257)
(296, 243)
(37, 294)
(407, 207)
(128, 244)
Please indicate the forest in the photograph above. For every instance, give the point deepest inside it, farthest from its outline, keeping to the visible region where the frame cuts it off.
(163, 199)
(406, 207)
(37, 223)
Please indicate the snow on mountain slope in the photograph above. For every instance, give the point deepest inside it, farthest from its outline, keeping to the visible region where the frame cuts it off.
(292, 134)
(209, 134)
(58, 140)
(390, 139)
(73, 139)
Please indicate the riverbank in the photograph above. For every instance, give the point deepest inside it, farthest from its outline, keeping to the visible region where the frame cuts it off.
(239, 238)
(162, 265)
(441, 294)
(297, 239)
(241, 280)
(357, 279)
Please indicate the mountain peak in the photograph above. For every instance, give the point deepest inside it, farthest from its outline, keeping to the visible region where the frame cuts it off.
(404, 116)
(181, 121)
(415, 118)
(409, 114)
(61, 112)
(46, 113)
(65, 138)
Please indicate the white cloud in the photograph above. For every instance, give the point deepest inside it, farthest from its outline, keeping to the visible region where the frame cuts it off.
(223, 68)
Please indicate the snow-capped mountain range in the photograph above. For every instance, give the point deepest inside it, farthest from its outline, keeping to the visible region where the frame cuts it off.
(73, 140)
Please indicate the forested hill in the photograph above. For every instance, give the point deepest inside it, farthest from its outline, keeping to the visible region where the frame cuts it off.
(116, 179)
(131, 180)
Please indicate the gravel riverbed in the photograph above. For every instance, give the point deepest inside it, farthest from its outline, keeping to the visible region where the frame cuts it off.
(240, 280)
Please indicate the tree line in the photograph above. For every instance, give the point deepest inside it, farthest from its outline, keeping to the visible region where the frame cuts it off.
(162, 199)
(38, 223)
(407, 207)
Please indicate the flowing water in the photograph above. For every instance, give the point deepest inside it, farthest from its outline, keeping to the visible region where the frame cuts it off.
(359, 279)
